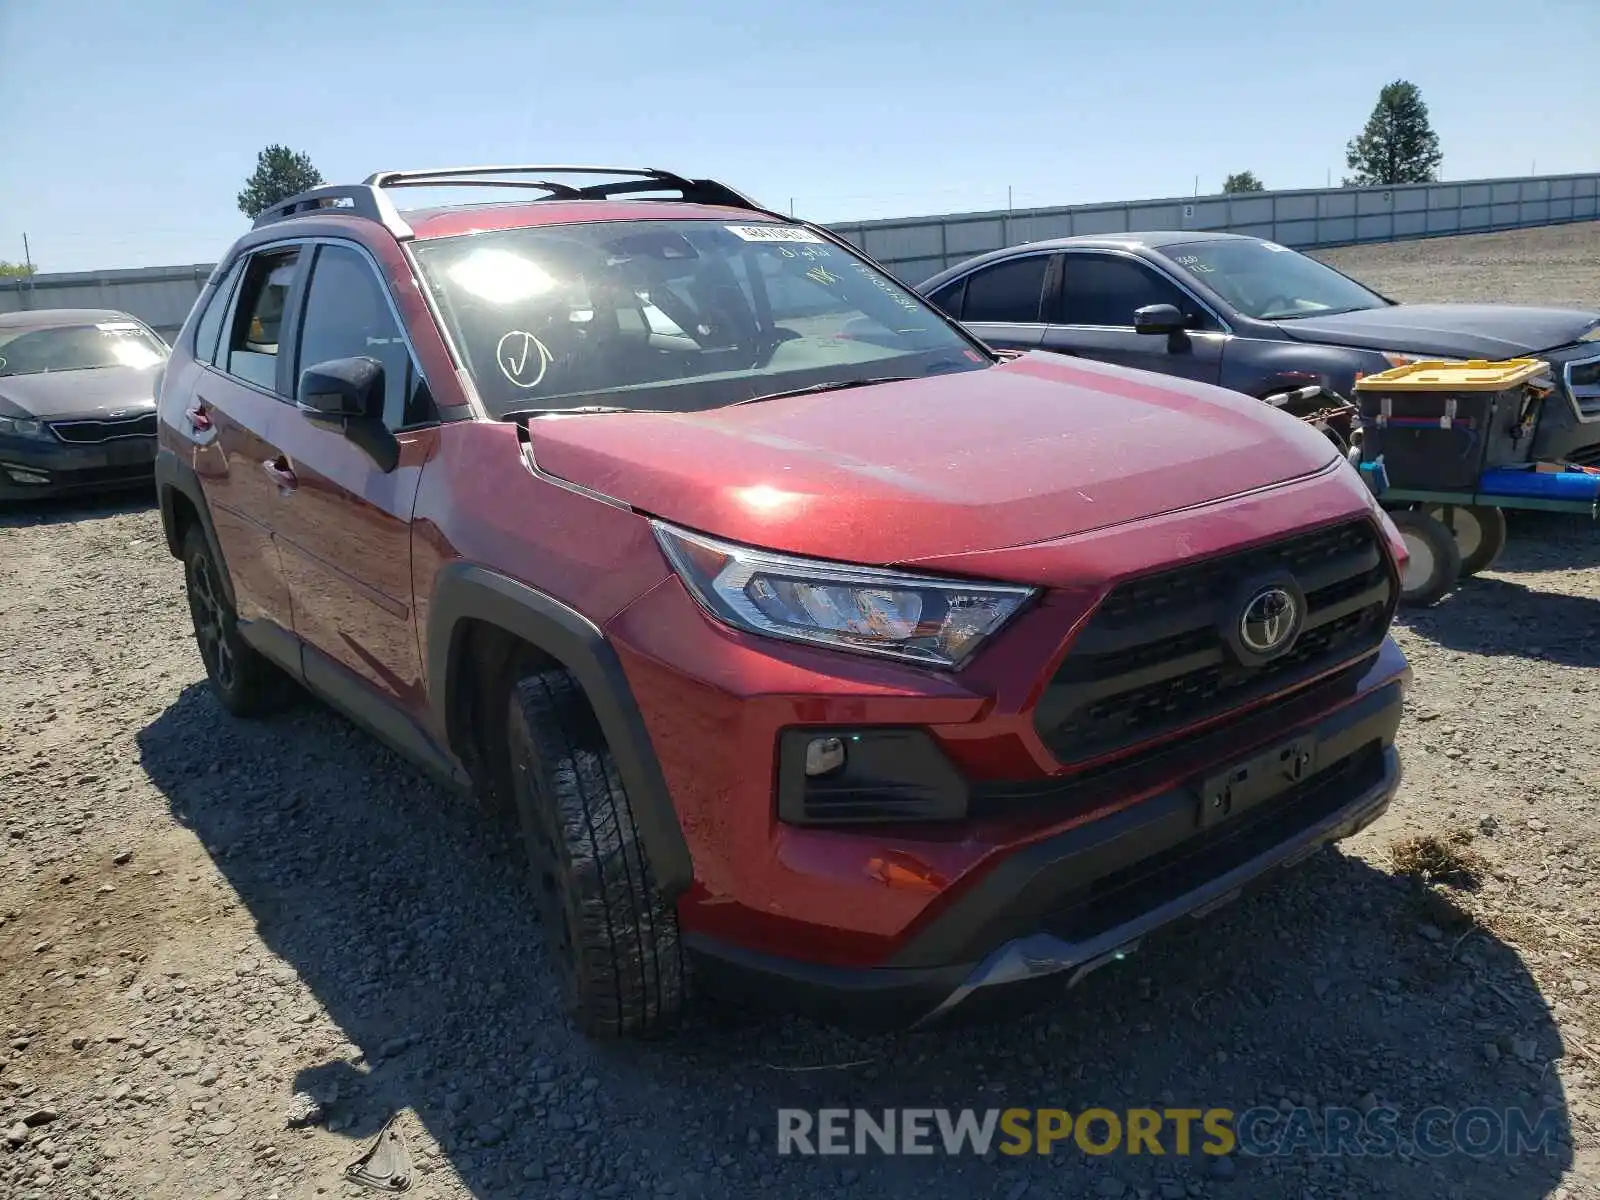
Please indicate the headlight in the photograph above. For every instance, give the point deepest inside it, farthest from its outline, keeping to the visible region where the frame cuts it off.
(1391, 531)
(935, 622)
(1395, 359)
(22, 427)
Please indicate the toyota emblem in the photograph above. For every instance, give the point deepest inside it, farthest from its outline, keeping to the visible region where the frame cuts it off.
(1269, 622)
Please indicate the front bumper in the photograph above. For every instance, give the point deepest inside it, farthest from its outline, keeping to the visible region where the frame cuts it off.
(1057, 909)
(35, 468)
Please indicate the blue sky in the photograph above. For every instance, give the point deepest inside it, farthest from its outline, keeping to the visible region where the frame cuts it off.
(127, 128)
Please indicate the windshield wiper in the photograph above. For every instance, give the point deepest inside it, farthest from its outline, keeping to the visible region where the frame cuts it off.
(837, 385)
(523, 414)
(1324, 312)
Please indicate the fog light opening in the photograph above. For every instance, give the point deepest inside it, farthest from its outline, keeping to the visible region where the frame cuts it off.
(23, 475)
(824, 756)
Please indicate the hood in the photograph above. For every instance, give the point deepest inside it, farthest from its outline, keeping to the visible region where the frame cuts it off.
(91, 393)
(1039, 447)
(1449, 330)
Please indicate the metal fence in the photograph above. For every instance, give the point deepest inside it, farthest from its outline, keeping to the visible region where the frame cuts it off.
(916, 247)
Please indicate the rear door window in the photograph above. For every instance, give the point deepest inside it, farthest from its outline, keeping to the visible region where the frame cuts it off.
(1007, 292)
(251, 349)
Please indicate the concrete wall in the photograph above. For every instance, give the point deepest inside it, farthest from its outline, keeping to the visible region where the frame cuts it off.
(917, 247)
(159, 296)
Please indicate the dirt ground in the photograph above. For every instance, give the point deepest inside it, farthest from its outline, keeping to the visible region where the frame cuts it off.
(1554, 265)
(202, 919)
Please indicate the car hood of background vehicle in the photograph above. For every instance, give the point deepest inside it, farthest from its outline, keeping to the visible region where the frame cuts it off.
(1449, 330)
(53, 394)
(1040, 447)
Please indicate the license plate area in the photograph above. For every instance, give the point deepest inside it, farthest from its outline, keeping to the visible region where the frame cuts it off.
(1257, 780)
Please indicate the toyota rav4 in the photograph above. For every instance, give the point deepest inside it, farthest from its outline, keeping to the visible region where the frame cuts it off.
(826, 656)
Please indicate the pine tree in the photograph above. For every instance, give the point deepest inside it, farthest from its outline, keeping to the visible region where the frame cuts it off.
(1398, 144)
(280, 173)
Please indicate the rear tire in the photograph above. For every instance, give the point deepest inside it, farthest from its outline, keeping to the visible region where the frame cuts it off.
(1479, 531)
(243, 681)
(1435, 563)
(613, 940)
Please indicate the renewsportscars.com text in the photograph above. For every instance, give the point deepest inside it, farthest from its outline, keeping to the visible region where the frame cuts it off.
(1257, 1132)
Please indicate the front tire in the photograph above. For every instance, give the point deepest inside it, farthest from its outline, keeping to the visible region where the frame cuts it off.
(613, 940)
(244, 683)
(1435, 559)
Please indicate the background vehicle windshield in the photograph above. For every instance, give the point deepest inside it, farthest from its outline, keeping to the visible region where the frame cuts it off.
(675, 315)
(1270, 282)
(78, 348)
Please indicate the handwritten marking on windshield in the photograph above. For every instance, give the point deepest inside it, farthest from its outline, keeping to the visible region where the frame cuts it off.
(811, 252)
(888, 289)
(523, 358)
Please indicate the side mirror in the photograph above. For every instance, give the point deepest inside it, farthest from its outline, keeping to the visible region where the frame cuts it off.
(348, 393)
(342, 389)
(1159, 318)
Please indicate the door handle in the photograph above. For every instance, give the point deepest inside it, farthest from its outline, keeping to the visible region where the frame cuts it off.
(280, 470)
(198, 414)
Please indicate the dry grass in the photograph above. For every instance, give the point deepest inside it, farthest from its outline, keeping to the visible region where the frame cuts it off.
(1430, 859)
(1446, 875)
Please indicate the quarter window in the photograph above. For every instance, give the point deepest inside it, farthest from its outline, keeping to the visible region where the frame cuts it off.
(347, 315)
(1006, 292)
(950, 296)
(1102, 289)
(252, 345)
(206, 333)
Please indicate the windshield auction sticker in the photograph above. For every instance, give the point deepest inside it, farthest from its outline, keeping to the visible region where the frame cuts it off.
(774, 233)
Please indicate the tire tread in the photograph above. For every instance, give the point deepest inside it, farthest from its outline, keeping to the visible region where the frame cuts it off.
(629, 965)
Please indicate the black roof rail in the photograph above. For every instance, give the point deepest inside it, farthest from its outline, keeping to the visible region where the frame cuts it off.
(360, 199)
(368, 199)
(633, 180)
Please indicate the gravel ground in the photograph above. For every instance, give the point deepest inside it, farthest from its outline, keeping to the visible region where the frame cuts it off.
(1554, 265)
(203, 919)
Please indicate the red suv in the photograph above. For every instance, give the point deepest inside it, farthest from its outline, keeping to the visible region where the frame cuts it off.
(827, 656)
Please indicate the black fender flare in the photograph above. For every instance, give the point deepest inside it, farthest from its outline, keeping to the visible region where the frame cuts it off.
(465, 592)
(174, 477)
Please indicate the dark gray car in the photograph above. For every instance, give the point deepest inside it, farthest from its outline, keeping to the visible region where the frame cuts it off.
(1258, 318)
(77, 401)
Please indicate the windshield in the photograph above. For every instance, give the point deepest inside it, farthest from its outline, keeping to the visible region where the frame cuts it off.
(78, 348)
(1270, 282)
(675, 315)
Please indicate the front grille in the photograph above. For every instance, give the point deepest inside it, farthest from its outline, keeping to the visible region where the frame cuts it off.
(109, 429)
(1127, 894)
(1153, 660)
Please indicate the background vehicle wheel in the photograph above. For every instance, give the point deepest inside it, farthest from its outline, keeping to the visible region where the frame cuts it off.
(612, 939)
(1435, 559)
(1479, 530)
(245, 683)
